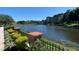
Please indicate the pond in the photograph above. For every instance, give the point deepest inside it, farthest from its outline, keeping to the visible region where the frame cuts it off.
(57, 33)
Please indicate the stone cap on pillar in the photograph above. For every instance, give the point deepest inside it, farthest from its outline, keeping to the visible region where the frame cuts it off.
(34, 35)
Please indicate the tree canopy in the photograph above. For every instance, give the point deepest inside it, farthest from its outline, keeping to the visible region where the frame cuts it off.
(70, 16)
(6, 19)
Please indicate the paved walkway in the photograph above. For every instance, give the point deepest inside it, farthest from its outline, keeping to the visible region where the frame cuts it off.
(1, 38)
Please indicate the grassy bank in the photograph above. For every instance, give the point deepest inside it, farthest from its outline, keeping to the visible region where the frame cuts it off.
(71, 24)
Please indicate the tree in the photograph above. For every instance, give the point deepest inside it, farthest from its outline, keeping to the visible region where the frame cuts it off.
(69, 17)
(6, 20)
(21, 22)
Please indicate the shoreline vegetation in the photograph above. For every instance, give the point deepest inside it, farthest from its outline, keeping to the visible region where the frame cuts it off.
(69, 19)
(41, 44)
(19, 41)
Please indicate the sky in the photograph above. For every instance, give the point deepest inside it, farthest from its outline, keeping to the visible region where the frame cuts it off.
(32, 13)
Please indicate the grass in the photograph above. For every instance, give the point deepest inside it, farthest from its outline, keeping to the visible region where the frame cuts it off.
(72, 24)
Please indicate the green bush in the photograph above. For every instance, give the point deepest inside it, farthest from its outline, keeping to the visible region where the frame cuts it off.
(10, 30)
(12, 34)
(21, 39)
(20, 42)
(6, 28)
(15, 35)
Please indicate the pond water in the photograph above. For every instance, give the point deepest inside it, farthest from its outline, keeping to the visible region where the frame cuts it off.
(57, 33)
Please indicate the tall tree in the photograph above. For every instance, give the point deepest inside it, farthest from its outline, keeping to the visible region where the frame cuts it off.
(6, 20)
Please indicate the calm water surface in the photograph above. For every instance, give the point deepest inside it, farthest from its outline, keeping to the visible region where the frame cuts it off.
(65, 35)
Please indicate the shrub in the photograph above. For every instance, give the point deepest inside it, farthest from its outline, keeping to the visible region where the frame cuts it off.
(12, 34)
(10, 30)
(15, 35)
(20, 42)
(6, 28)
(21, 39)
